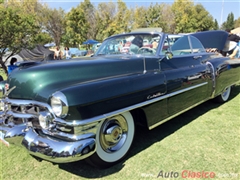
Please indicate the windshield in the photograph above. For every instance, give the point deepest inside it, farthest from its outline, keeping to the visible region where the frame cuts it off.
(146, 44)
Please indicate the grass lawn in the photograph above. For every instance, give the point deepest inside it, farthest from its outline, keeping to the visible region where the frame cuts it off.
(206, 138)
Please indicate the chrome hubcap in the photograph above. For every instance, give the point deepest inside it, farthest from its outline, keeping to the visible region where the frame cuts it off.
(113, 133)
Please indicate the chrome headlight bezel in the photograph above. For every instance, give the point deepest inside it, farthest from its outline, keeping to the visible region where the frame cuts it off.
(59, 104)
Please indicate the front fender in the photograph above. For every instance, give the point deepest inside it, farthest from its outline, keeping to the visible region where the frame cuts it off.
(95, 98)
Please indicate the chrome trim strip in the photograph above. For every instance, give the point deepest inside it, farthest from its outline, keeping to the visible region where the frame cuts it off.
(190, 44)
(187, 89)
(213, 79)
(20, 115)
(70, 137)
(76, 123)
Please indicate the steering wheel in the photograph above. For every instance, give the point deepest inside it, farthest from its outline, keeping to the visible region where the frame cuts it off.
(146, 50)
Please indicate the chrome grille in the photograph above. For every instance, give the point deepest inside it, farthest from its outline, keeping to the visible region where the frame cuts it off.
(28, 112)
(21, 111)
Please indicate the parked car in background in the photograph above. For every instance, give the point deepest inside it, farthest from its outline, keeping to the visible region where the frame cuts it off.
(89, 109)
(77, 53)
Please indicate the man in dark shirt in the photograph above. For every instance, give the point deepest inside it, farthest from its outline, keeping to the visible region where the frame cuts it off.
(232, 37)
(235, 38)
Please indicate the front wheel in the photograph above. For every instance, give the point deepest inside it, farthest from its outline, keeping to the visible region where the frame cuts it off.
(224, 96)
(113, 140)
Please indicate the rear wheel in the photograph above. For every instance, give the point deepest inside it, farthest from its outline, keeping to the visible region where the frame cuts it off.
(224, 96)
(113, 140)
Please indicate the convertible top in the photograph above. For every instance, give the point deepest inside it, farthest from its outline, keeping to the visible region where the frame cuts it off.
(212, 39)
(39, 53)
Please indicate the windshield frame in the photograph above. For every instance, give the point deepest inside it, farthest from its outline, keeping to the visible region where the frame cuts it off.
(130, 38)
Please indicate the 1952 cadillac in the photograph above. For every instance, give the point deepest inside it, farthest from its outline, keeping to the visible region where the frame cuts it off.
(67, 111)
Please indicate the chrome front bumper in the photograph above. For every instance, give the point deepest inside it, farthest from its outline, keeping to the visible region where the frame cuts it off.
(55, 150)
(16, 127)
(46, 147)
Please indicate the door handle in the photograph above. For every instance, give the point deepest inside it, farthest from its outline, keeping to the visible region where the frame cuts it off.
(197, 57)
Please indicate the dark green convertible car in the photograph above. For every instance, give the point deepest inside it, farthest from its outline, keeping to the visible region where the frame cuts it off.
(65, 111)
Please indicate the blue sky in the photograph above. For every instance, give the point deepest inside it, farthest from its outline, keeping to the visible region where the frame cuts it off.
(219, 9)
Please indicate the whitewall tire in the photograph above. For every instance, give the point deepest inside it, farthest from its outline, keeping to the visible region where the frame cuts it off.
(113, 140)
(224, 96)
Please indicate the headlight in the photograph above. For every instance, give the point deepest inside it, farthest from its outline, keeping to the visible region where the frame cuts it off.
(59, 104)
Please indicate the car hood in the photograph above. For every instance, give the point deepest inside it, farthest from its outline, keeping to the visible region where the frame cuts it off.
(212, 39)
(38, 82)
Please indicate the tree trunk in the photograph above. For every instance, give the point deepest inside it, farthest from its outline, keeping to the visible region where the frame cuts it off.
(3, 66)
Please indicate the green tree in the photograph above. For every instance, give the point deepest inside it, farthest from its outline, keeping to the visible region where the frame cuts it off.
(43, 38)
(90, 17)
(168, 18)
(229, 24)
(215, 25)
(52, 22)
(184, 13)
(122, 16)
(18, 30)
(36, 9)
(204, 21)
(77, 25)
(138, 19)
(153, 16)
(237, 23)
(105, 19)
(190, 17)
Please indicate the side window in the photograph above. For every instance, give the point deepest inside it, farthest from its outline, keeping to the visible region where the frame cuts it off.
(181, 46)
(196, 45)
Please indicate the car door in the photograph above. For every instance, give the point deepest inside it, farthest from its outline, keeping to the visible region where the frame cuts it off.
(186, 80)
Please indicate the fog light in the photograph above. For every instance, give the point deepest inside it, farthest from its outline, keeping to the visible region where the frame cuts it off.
(44, 120)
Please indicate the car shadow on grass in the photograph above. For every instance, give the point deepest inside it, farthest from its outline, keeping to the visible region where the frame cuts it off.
(144, 139)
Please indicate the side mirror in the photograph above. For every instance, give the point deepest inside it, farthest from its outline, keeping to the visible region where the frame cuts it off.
(169, 55)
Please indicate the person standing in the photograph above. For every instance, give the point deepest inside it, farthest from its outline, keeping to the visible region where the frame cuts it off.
(233, 37)
(57, 54)
(12, 65)
(67, 53)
